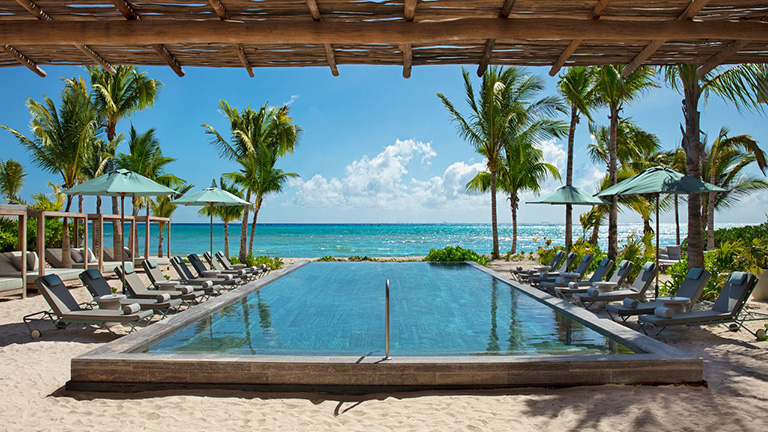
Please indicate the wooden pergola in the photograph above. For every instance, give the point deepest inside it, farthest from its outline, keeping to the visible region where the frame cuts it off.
(291, 33)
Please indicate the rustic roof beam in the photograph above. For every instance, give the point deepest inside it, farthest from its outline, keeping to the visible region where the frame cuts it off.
(506, 9)
(313, 9)
(164, 54)
(718, 59)
(330, 55)
(693, 8)
(410, 9)
(24, 60)
(151, 32)
(219, 9)
(126, 9)
(243, 59)
(407, 60)
(40, 14)
(596, 13)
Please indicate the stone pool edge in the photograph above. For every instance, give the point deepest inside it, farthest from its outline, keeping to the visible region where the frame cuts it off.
(117, 366)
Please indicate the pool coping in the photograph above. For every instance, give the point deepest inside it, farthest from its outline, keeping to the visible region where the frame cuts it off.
(116, 366)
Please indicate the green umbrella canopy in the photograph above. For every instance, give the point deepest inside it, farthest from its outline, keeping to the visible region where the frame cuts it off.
(661, 180)
(120, 182)
(211, 196)
(568, 195)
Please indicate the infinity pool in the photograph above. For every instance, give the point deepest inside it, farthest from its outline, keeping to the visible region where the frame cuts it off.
(337, 308)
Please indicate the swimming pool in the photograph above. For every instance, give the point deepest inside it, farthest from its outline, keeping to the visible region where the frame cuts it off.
(464, 327)
(337, 308)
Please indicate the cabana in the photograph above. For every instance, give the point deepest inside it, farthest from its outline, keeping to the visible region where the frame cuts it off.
(13, 275)
(147, 220)
(66, 274)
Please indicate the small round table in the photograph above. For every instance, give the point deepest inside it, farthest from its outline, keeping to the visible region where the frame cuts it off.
(677, 304)
(605, 287)
(111, 301)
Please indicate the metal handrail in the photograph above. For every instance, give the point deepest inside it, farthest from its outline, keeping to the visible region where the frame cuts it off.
(386, 324)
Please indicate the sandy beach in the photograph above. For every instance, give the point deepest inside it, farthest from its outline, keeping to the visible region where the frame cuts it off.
(33, 374)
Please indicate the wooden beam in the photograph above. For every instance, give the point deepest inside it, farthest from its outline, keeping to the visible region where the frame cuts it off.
(21, 58)
(244, 59)
(219, 9)
(487, 51)
(687, 14)
(331, 57)
(162, 51)
(596, 13)
(126, 9)
(506, 8)
(407, 59)
(91, 54)
(152, 32)
(313, 9)
(717, 59)
(410, 10)
(34, 9)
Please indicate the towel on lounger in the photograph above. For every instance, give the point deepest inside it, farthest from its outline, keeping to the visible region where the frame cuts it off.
(593, 291)
(131, 308)
(162, 298)
(573, 285)
(631, 303)
(185, 289)
(664, 312)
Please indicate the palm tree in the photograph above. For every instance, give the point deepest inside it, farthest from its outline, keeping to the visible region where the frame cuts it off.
(259, 175)
(102, 153)
(635, 147)
(576, 87)
(145, 157)
(163, 206)
(614, 92)
(62, 139)
(12, 175)
(723, 162)
(743, 85)
(271, 127)
(117, 96)
(227, 214)
(504, 93)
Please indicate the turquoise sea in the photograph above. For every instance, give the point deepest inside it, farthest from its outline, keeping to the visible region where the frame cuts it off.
(316, 240)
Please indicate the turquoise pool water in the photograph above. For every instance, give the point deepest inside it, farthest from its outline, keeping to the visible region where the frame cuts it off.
(337, 308)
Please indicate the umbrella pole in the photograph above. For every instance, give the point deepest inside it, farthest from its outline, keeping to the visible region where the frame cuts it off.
(122, 238)
(211, 249)
(657, 245)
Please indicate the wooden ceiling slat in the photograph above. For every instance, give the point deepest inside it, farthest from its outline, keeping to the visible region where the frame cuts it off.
(596, 13)
(506, 9)
(24, 60)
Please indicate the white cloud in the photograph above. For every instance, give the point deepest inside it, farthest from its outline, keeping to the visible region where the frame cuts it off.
(290, 101)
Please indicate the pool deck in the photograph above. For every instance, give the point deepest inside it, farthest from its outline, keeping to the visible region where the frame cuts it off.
(117, 366)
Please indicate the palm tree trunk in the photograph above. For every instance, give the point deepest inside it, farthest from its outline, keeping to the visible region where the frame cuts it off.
(117, 228)
(711, 220)
(494, 220)
(244, 230)
(569, 179)
(256, 209)
(677, 222)
(692, 147)
(226, 239)
(613, 232)
(161, 226)
(66, 259)
(595, 234)
(133, 231)
(513, 200)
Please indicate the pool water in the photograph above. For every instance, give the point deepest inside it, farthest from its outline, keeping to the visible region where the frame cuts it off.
(337, 308)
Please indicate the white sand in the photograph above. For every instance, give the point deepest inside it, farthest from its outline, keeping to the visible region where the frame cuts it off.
(33, 373)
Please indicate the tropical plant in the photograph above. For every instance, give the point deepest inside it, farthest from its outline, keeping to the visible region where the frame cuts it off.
(43, 203)
(503, 108)
(576, 87)
(117, 96)
(743, 85)
(226, 214)
(455, 254)
(61, 139)
(163, 206)
(723, 164)
(251, 130)
(614, 91)
(635, 147)
(100, 156)
(12, 175)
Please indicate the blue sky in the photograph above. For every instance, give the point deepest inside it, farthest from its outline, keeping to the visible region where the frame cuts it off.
(375, 147)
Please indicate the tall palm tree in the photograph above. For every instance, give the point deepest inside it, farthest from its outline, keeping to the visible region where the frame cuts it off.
(504, 93)
(576, 87)
(227, 214)
(12, 175)
(635, 147)
(145, 157)
(743, 85)
(62, 139)
(250, 129)
(117, 96)
(615, 91)
(723, 163)
(98, 159)
(164, 207)
(259, 175)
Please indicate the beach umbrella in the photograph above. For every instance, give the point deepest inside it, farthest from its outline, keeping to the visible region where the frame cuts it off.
(568, 195)
(211, 196)
(120, 183)
(656, 181)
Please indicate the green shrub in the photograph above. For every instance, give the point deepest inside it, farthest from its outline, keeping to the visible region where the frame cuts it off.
(9, 234)
(361, 258)
(274, 263)
(547, 253)
(582, 249)
(455, 254)
(328, 258)
(636, 250)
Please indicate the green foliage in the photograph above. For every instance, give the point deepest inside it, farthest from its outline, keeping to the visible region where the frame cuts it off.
(546, 253)
(638, 251)
(455, 254)
(9, 234)
(274, 263)
(361, 258)
(327, 258)
(583, 248)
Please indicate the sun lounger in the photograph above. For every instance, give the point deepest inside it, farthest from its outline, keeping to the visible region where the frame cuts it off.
(728, 309)
(602, 269)
(138, 289)
(691, 288)
(201, 269)
(635, 291)
(211, 286)
(538, 278)
(561, 280)
(203, 272)
(174, 287)
(160, 304)
(617, 280)
(253, 272)
(516, 273)
(65, 309)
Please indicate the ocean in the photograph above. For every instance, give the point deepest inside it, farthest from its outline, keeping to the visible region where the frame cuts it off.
(380, 240)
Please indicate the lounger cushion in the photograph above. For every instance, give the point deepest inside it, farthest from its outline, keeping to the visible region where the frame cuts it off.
(695, 273)
(648, 271)
(93, 274)
(689, 317)
(737, 278)
(105, 315)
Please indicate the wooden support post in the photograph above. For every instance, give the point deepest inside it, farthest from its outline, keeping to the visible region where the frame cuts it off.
(23, 249)
(163, 52)
(331, 56)
(407, 60)
(126, 9)
(85, 243)
(596, 13)
(219, 9)
(98, 235)
(169, 238)
(718, 59)
(506, 9)
(91, 54)
(410, 10)
(76, 229)
(41, 243)
(24, 60)
(146, 235)
(243, 59)
(313, 9)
